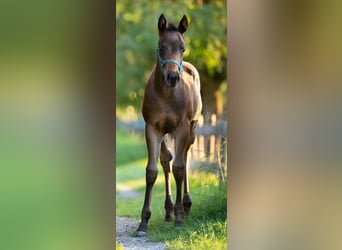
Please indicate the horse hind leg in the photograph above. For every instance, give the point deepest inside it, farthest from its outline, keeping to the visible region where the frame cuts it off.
(179, 169)
(187, 201)
(165, 158)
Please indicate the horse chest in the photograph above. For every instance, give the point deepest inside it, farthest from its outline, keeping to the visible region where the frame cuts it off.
(167, 122)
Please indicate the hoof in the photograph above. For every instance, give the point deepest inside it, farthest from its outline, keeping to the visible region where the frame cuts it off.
(168, 218)
(178, 223)
(178, 214)
(187, 202)
(187, 210)
(140, 234)
(178, 220)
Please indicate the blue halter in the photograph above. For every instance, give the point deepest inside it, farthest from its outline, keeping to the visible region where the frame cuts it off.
(165, 61)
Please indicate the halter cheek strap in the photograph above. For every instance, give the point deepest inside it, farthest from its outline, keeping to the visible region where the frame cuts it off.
(165, 61)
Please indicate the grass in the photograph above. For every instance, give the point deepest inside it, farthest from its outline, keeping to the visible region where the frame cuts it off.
(206, 225)
(210, 235)
(129, 147)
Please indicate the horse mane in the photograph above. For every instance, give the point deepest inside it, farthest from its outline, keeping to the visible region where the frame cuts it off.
(171, 27)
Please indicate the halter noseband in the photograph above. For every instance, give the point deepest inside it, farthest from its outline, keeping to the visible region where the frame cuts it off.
(165, 61)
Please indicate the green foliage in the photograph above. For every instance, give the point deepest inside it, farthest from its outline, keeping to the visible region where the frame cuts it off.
(137, 36)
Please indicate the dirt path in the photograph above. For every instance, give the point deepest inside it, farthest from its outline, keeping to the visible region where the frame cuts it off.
(127, 192)
(125, 228)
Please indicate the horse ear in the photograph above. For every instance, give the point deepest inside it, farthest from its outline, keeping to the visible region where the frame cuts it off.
(161, 23)
(183, 24)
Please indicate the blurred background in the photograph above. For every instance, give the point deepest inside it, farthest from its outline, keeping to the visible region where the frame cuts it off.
(57, 119)
(285, 124)
(53, 162)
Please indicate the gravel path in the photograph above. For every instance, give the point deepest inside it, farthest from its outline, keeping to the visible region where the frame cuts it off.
(127, 192)
(125, 228)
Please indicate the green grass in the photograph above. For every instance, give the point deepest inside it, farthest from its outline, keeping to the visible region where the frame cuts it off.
(210, 235)
(129, 147)
(206, 225)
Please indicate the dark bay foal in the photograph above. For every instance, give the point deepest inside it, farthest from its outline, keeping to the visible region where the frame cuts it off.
(172, 104)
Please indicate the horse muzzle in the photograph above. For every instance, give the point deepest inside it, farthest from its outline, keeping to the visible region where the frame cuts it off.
(172, 78)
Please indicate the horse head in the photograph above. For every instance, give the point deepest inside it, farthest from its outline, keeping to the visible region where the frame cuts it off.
(170, 49)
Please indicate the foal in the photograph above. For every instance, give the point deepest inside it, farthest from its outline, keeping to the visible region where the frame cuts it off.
(172, 104)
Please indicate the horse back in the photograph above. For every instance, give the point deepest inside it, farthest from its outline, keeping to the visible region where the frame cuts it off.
(192, 77)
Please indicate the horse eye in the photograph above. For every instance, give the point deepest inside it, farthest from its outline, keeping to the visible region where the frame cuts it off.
(162, 49)
(182, 49)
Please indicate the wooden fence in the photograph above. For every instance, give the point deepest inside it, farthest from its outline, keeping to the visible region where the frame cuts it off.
(210, 148)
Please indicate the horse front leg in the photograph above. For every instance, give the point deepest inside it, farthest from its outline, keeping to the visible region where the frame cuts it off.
(165, 158)
(153, 148)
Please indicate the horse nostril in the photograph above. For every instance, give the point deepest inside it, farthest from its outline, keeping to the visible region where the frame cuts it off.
(172, 78)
